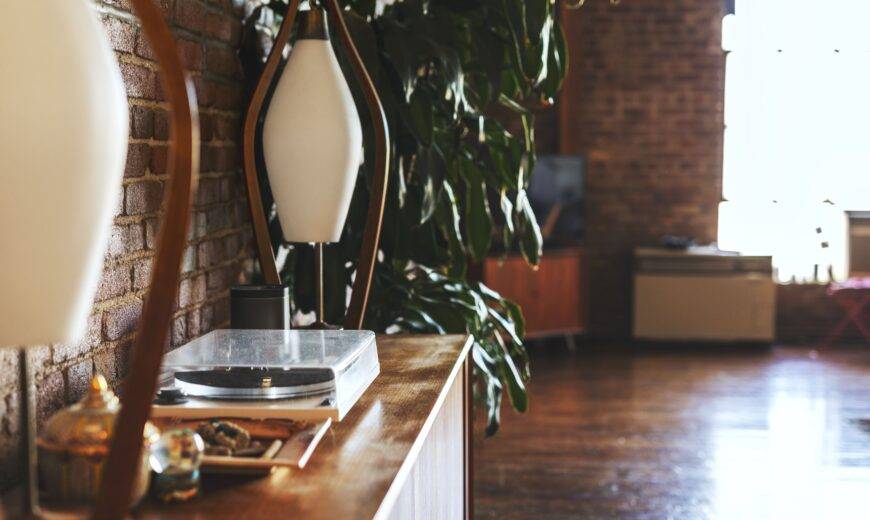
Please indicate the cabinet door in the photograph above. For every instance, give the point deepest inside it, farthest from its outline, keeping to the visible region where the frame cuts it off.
(435, 486)
(552, 297)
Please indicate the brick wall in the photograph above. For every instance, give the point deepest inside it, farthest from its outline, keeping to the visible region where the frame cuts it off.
(643, 102)
(219, 252)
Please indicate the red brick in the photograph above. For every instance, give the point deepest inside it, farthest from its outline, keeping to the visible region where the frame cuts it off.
(204, 91)
(226, 96)
(122, 355)
(179, 331)
(229, 189)
(217, 280)
(159, 158)
(232, 245)
(190, 14)
(223, 61)
(161, 125)
(143, 47)
(221, 27)
(78, 378)
(122, 35)
(191, 291)
(10, 404)
(219, 217)
(125, 239)
(141, 122)
(208, 191)
(188, 261)
(151, 233)
(106, 365)
(142, 273)
(193, 324)
(119, 204)
(223, 158)
(115, 282)
(206, 130)
(138, 159)
(199, 225)
(50, 397)
(205, 159)
(206, 317)
(122, 320)
(225, 127)
(191, 54)
(141, 81)
(210, 253)
(143, 197)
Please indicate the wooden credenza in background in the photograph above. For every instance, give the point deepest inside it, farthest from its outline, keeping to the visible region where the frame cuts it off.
(553, 297)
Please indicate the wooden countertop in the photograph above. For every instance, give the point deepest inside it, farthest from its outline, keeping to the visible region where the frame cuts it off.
(359, 459)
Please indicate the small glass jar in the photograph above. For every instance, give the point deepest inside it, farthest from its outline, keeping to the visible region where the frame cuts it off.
(75, 443)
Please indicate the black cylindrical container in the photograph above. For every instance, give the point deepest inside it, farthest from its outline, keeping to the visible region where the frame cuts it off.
(259, 307)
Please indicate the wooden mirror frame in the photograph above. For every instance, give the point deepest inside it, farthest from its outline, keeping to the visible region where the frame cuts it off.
(374, 219)
(124, 457)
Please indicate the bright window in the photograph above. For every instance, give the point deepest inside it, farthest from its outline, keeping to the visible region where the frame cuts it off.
(797, 136)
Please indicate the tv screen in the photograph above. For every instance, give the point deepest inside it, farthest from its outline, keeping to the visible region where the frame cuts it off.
(556, 192)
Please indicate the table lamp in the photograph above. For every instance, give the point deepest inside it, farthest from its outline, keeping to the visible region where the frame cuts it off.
(312, 146)
(63, 142)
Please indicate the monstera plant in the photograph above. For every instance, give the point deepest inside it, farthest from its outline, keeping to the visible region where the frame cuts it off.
(453, 76)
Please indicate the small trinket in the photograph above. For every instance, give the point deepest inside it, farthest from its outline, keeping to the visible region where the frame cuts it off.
(171, 395)
(175, 460)
(224, 437)
(75, 443)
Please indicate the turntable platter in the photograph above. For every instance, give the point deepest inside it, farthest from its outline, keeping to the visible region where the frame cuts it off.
(237, 383)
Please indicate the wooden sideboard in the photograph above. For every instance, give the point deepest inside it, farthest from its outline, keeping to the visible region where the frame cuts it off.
(553, 296)
(403, 451)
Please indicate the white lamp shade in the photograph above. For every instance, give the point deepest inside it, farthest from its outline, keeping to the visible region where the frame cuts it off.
(312, 144)
(63, 143)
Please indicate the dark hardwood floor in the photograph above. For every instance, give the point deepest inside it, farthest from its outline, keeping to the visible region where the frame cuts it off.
(719, 433)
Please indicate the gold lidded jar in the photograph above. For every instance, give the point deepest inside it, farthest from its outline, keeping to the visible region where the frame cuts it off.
(74, 445)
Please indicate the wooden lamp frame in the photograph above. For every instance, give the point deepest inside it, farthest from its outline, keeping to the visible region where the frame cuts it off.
(374, 219)
(153, 333)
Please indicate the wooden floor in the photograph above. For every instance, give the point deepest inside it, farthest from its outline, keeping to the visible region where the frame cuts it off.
(757, 433)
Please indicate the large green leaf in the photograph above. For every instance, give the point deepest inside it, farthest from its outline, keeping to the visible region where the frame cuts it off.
(510, 374)
(531, 241)
(478, 218)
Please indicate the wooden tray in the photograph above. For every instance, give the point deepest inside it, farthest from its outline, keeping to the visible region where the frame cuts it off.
(290, 444)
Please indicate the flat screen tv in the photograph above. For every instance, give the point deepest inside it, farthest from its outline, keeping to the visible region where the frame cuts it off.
(557, 194)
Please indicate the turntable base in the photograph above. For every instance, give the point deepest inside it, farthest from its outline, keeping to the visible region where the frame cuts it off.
(269, 374)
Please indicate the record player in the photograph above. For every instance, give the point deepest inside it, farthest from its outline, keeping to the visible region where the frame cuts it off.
(268, 374)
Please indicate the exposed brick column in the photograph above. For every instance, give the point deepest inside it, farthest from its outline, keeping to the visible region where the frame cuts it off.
(643, 102)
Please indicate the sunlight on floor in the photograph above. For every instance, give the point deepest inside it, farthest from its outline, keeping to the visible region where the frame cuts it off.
(793, 465)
